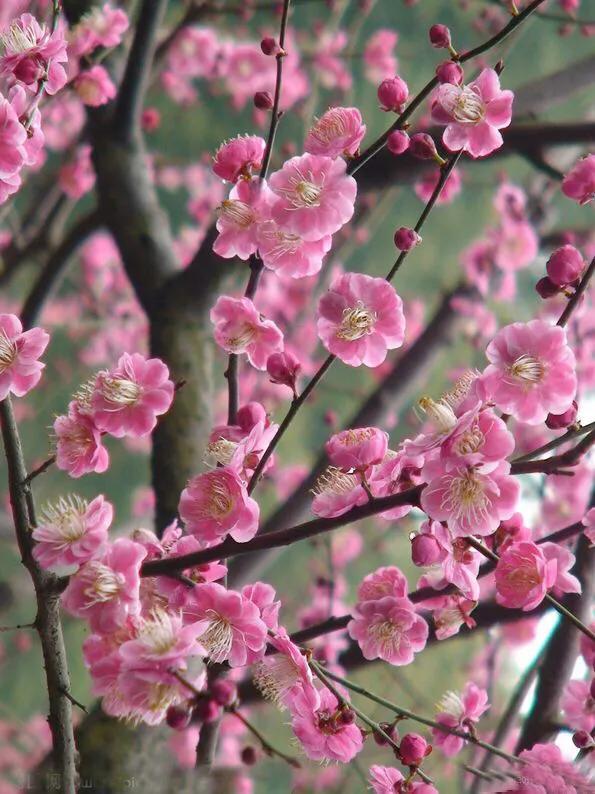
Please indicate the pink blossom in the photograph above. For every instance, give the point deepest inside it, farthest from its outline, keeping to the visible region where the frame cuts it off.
(32, 53)
(360, 318)
(523, 576)
(239, 158)
(473, 113)
(480, 438)
(458, 564)
(194, 52)
(388, 629)
(286, 675)
(20, 368)
(323, 733)
(162, 642)
(379, 59)
(228, 624)
(240, 328)
(425, 186)
(531, 371)
(101, 27)
(77, 176)
(459, 710)
(327, 61)
(13, 152)
(578, 706)
(105, 590)
(589, 522)
(35, 139)
(239, 217)
(398, 472)
(315, 196)
(336, 492)
(515, 245)
(357, 448)
(564, 582)
(385, 581)
(545, 770)
(579, 182)
(288, 254)
(385, 779)
(216, 504)
(94, 86)
(128, 399)
(450, 614)
(265, 598)
(78, 443)
(146, 694)
(337, 132)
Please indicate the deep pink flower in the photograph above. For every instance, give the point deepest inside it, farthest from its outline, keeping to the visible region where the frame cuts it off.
(565, 582)
(101, 27)
(146, 694)
(216, 504)
(516, 245)
(72, 532)
(264, 596)
(13, 139)
(480, 438)
(523, 576)
(286, 675)
(127, 400)
(20, 368)
(337, 132)
(578, 706)
(392, 94)
(239, 217)
(358, 448)
(565, 265)
(531, 371)
(229, 624)
(32, 53)
(283, 369)
(385, 779)
(450, 614)
(545, 770)
(458, 563)
(240, 328)
(94, 86)
(239, 158)
(385, 581)
(388, 629)
(459, 710)
(396, 473)
(322, 732)
(78, 443)
(360, 318)
(287, 253)
(473, 113)
(579, 182)
(315, 196)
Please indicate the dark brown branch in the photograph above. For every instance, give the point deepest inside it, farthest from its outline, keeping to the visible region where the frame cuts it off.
(569, 458)
(579, 292)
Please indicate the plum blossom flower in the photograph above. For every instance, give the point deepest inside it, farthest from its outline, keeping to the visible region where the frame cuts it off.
(450, 613)
(480, 438)
(388, 629)
(239, 157)
(94, 86)
(459, 710)
(101, 27)
(78, 443)
(32, 53)
(545, 770)
(565, 582)
(239, 217)
(531, 371)
(473, 113)
(457, 562)
(127, 400)
(162, 642)
(264, 596)
(20, 368)
(579, 182)
(379, 58)
(337, 132)
(385, 581)
(358, 448)
(360, 318)
(385, 779)
(578, 705)
(323, 733)
(286, 675)
(315, 196)
(336, 492)
(240, 328)
(77, 177)
(523, 576)
(72, 532)
(216, 504)
(288, 254)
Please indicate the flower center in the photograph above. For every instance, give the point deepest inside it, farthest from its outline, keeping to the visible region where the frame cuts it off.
(245, 334)
(218, 502)
(440, 413)
(330, 127)
(455, 396)
(120, 392)
(527, 369)
(352, 438)
(451, 703)
(104, 584)
(68, 516)
(220, 451)
(471, 441)
(386, 633)
(465, 497)
(284, 243)
(159, 632)
(8, 352)
(356, 322)
(237, 212)
(334, 481)
(523, 579)
(275, 678)
(218, 638)
(467, 106)
(19, 39)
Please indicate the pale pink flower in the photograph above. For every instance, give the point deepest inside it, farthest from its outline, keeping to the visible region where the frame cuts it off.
(458, 563)
(145, 695)
(194, 52)
(161, 642)
(288, 254)
(579, 182)
(239, 217)
(315, 196)
(94, 86)
(240, 328)
(545, 770)
(360, 318)
(216, 504)
(357, 448)
(101, 27)
(127, 400)
(106, 590)
(379, 58)
(523, 576)
(385, 581)
(425, 186)
(531, 371)
(323, 733)
(565, 582)
(337, 132)
(388, 629)
(396, 473)
(13, 152)
(336, 492)
(228, 624)
(480, 438)
(473, 113)
(516, 245)
(78, 443)
(286, 675)
(385, 779)
(239, 157)
(473, 502)
(459, 710)
(450, 613)
(20, 368)
(243, 456)
(77, 177)
(32, 53)
(330, 68)
(578, 706)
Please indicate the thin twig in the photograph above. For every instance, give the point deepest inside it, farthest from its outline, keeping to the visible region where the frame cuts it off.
(267, 747)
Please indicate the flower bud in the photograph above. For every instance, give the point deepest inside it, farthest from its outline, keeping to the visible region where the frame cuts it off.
(422, 146)
(29, 70)
(392, 94)
(413, 749)
(582, 739)
(406, 239)
(248, 756)
(269, 46)
(440, 37)
(397, 142)
(565, 265)
(450, 72)
(206, 710)
(425, 550)
(283, 369)
(223, 692)
(178, 717)
(346, 716)
(546, 288)
(263, 100)
(150, 119)
(390, 731)
(558, 421)
(250, 414)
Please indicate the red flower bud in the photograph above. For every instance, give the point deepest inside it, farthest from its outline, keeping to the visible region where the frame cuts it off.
(558, 421)
(283, 368)
(223, 692)
(178, 717)
(392, 94)
(425, 550)
(546, 288)
(269, 46)
(582, 739)
(413, 749)
(263, 100)
(450, 72)
(150, 119)
(406, 239)
(440, 37)
(248, 756)
(397, 142)
(422, 146)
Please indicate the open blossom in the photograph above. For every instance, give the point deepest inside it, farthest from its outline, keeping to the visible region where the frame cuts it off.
(72, 532)
(480, 438)
(473, 113)
(453, 560)
(523, 576)
(545, 770)
(13, 141)
(32, 53)
(78, 443)
(450, 613)
(240, 328)
(385, 581)
(379, 58)
(239, 158)
(101, 27)
(228, 624)
(360, 318)
(127, 400)
(216, 504)
(578, 706)
(388, 780)
(459, 710)
(286, 675)
(288, 254)
(531, 371)
(336, 492)
(20, 368)
(357, 448)
(388, 629)
(315, 196)
(323, 733)
(239, 216)
(162, 642)
(106, 590)
(337, 132)
(579, 182)
(565, 582)
(76, 177)
(94, 86)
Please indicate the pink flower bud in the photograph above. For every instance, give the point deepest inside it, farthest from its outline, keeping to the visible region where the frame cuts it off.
(406, 239)
(178, 717)
(565, 265)
(263, 100)
(269, 46)
(450, 72)
(422, 146)
(546, 288)
(390, 731)
(206, 710)
(248, 756)
(224, 692)
(582, 739)
(283, 368)
(413, 749)
(397, 142)
(250, 414)
(440, 37)
(558, 421)
(150, 119)
(425, 550)
(392, 94)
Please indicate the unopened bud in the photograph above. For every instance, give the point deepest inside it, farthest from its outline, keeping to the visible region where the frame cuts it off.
(283, 369)
(559, 421)
(582, 739)
(178, 717)
(269, 46)
(392, 94)
(406, 239)
(422, 146)
(347, 716)
(546, 288)
(450, 72)
(413, 749)
(223, 692)
(425, 550)
(397, 142)
(440, 37)
(565, 265)
(263, 100)
(150, 119)
(248, 756)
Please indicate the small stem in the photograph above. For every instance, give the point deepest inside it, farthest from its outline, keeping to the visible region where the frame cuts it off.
(556, 442)
(265, 744)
